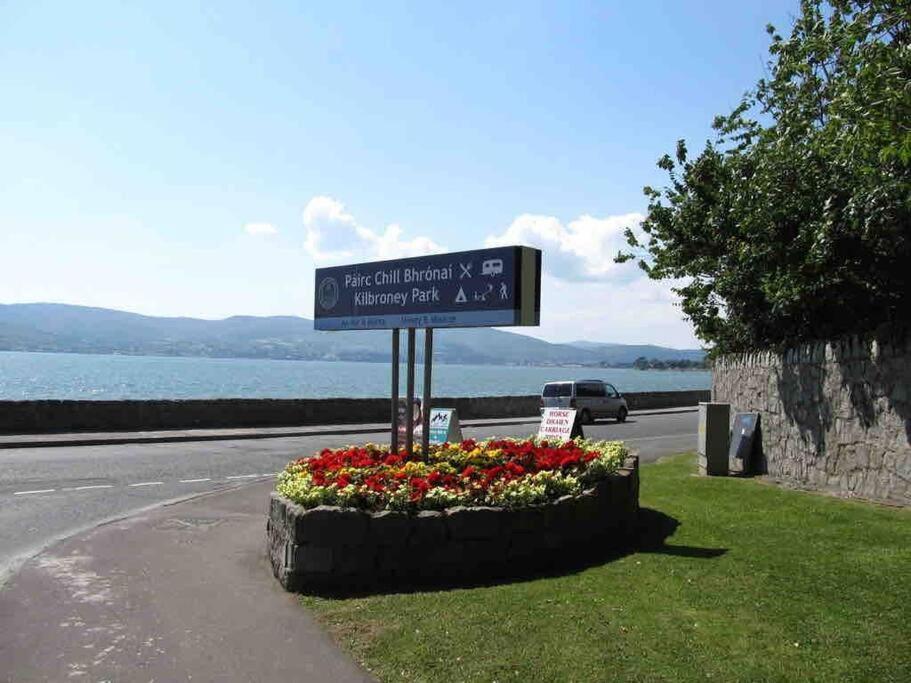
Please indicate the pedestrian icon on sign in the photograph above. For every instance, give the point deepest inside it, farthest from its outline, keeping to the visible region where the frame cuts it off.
(504, 293)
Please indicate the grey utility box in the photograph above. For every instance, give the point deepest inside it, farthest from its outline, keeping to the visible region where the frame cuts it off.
(714, 438)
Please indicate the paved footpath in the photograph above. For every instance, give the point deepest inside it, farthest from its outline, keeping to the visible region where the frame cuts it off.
(177, 594)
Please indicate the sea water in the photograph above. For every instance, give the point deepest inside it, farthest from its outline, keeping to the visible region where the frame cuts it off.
(25, 376)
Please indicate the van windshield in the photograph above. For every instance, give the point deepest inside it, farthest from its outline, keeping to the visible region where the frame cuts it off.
(564, 389)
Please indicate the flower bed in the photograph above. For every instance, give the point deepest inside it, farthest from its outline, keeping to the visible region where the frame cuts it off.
(498, 473)
(362, 517)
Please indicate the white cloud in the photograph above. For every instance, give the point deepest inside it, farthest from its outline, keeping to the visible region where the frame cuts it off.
(260, 229)
(333, 235)
(639, 311)
(585, 295)
(582, 250)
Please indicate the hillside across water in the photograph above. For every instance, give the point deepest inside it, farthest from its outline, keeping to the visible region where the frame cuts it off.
(63, 328)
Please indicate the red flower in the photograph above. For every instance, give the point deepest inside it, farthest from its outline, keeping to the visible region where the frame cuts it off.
(382, 472)
(419, 487)
(515, 468)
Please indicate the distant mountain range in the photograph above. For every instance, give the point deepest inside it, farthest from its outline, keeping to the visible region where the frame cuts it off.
(80, 329)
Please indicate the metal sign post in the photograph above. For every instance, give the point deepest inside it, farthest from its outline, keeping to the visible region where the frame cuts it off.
(394, 403)
(425, 404)
(409, 414)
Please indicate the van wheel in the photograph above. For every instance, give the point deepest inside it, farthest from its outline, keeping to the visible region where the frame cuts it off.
(585, 417)
(621, 415)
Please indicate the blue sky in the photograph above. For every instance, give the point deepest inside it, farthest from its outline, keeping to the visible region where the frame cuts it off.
(174, 158)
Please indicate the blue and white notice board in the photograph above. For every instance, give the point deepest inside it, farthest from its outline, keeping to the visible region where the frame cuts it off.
(498, 287)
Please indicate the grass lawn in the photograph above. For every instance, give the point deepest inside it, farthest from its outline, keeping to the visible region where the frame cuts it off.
(754, 583)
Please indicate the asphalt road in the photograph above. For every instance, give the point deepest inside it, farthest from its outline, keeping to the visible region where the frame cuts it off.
(50, 493)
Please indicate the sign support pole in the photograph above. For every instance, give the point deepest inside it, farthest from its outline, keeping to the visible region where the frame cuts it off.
(425, 404)
(409, 410)
(394, 403)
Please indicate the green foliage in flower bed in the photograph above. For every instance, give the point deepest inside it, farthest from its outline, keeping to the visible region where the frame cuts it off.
(735, 581)
(496, 472)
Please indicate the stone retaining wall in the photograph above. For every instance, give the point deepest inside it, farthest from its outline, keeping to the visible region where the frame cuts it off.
(336, 549)
(834, 416)
(37, 417)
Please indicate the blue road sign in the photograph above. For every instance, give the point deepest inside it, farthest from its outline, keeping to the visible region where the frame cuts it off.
(481, 288)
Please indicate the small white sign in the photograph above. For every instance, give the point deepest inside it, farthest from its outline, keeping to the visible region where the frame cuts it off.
(557, 424)
(444, 426)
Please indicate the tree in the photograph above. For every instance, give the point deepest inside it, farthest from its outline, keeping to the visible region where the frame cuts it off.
(793, 223)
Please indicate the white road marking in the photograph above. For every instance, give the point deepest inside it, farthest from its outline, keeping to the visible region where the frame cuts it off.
(86, 488)
(142, 483)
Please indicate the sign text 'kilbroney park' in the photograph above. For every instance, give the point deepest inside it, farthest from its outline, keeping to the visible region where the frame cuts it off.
(482, 288)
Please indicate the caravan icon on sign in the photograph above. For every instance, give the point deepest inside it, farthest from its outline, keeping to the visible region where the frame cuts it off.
(492, 267)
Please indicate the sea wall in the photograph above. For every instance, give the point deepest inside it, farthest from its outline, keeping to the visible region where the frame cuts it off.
(834, 416)
(37, 417)
(342, 549)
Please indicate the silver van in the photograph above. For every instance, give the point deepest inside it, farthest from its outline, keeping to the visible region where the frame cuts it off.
(593, 399)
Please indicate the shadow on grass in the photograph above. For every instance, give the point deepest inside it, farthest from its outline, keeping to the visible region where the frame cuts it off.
(656, 527)
(653, 529)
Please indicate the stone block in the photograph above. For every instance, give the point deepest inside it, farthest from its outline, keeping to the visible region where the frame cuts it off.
(474, 522)
(447, 558)
(563, 514)
(588, 511)
(484, 553)
(428, 528)
(621, 484)
(631, 462)
(524, 545)
(277, 508)
(526, 520)
(357, 560)
(314, 559)
(551, 542)
(392, 560)
(326, 525)
(390, 527)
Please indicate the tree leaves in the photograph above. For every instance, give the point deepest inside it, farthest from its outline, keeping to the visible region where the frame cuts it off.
(793, 223)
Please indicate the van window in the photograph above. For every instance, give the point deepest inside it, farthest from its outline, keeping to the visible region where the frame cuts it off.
(589, 389)
(611, 391)
(562, 389)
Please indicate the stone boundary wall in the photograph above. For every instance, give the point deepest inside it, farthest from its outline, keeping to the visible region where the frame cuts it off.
(341, 550)
(835, 416)
(37, 417)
